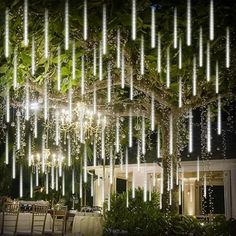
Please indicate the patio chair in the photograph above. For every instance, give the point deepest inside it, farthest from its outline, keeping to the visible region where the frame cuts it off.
(39, 219)
(59, 221)
(10, 218)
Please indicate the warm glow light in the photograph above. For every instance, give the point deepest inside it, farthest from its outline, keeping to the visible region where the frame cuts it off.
(171, 134)
(227, 48)
(46, 34)
(180, 92)
(118, 49)
(18, 130)
(142, 56)
(66, 25)
(133, 185)
(194, 90)
(180, 53)
(21, 181)
(7, 33)
(123, 68)
(73, 181)
(104, 29)
(8, 105)
(143, 136)
(189, 30)
(159, 52)
(208, 129)
(85, 20)
(200, 48)
(13, 163)
(59, 68)
(190, 144)
(168, 67)
(130, 128)
(133, 19)
(211, 20)
(219, 116)
(175, 27)
(153, 27)
(152, 113)
(26, 40)
(208, 63)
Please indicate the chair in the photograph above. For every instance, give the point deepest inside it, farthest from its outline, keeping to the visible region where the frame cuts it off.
(39, 219)
(10, 218)
(59, 221)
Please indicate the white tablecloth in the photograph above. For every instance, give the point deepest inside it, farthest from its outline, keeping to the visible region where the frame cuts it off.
(25, 221)
(87, 225)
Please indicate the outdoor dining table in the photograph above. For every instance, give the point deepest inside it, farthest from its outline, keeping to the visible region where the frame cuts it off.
(88, 224)
(25, 221)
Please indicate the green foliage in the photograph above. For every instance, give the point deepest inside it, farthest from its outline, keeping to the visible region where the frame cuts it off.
(145, 218)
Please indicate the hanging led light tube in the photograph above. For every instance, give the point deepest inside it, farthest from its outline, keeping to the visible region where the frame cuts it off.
(46, 53)
(200, 48)
(85, 20)
(189, 30)
(153, 27)
(175, 28)
(118, 49)
(130, 128)
(168, 67)
(227, 48)
(208, 129)
(190, 144)
(219, 116)
(104, 30)
(211, 23)
(133, 19)
(194, 90)
(26, 41)
(7, 33)
(159, 52)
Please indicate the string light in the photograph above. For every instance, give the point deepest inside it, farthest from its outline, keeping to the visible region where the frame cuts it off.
(100, 61)
(7, 33)
(13, 163)
(27, 101)
(21, 181)
(57, 180)
(217, 77)
(85, 163)
(94, 151)
(70, 105)
(138, 156)
(126, 163)
(52, 173)
(168, 67)
(131, 94)
(200, 48)
(26, 41)
(227, 48)
(219, 116)
(159, 52)
(152, 113)
(94, 60)
(133, 185)
(118, 49)
(7, 149)
(73, 181)
(123, 68)
(180, 92)
(66, 25)
(8, 105)
(33, 57)
(63, 183)
(133, 19)
(130, 128)
(43, 152)
(190, 144)
(153, 27)
(92, 188)
(104, 30)
(205, 186)
(36, 175)
(103, 142)
(69, 150)
(94, 99)
(73, 61)
(143, 136)
(142, 56)
(208, 129)
(117, 134)
(171, 134)
(46, 183)
(85, 20)
(189, 31)
(59, 68)
(45, 99)
(31, 185)
(35, 124)
(46, 34)
(109, 83)
(194, 77)
(211, 20)
(175, 27)
(15, 84)
(57, 128)
(208, 66)
(111, 165)
(158, 143)
(18, 130)
(82, 75)
(145, 184)
(29, 151)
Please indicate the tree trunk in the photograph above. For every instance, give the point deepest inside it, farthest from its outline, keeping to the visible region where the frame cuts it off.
(170, 201)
